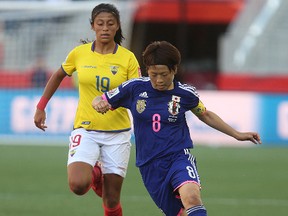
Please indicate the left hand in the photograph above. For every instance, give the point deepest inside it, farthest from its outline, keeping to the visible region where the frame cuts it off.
(252, 136)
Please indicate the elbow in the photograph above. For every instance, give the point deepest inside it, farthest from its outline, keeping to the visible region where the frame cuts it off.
(203, 116)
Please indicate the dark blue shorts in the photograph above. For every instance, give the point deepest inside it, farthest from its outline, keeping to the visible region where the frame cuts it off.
(162, 177)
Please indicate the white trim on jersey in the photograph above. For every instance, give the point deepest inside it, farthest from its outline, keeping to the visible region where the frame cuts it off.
(144, 79)
(188, 88)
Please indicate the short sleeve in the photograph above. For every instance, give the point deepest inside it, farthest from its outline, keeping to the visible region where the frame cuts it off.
(69, 64)
(199, 109)
(134, 68)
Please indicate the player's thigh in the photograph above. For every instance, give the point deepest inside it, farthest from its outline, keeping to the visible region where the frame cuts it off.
(79, 173)
(112, 185)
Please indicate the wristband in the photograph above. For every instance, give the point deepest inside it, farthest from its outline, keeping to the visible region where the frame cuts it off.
(42, 103)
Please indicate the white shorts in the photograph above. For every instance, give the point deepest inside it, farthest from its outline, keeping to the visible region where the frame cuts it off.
(111, 149)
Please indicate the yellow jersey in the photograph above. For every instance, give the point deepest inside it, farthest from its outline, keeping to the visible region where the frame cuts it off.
(99, 73)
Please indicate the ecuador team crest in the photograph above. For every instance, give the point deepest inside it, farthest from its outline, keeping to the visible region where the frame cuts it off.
(140, 106)
(114, 69)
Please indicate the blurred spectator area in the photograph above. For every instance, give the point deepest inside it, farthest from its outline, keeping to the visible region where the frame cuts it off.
(24, 79)
(212, 34)
(34, 30)
(193, 26)
(225, 44)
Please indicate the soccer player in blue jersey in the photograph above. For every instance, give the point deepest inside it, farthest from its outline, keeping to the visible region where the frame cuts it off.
(101, 65)
(158, 104)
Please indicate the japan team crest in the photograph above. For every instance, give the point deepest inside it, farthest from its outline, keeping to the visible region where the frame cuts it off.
(174, 105)
(140, 106)
(114, 69)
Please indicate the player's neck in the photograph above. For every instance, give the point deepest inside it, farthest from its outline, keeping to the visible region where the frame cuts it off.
(105, 48)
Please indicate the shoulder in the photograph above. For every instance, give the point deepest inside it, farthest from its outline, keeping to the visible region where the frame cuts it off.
(79, 51)
(187, 88)
(82, 47)
(124, 50)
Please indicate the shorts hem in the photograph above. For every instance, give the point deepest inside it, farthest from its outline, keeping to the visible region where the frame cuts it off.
(83, 161)
(195, 182)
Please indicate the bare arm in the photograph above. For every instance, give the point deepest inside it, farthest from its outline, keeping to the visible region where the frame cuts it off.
(50, 88)
(53, 83)
(213, 120)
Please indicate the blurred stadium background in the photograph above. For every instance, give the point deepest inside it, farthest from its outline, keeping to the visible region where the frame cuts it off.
(234, 51)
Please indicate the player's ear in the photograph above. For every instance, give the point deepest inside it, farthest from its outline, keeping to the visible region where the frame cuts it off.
(118, 27)
(92, 24)
(175, 70)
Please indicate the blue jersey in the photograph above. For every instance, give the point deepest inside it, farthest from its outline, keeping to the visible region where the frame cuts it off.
(160, 126)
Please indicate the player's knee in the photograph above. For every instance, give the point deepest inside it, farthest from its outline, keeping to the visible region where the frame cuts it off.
(79, 188)
(191, 200)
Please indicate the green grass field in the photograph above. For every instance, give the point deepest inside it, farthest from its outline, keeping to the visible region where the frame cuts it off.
(235, 182)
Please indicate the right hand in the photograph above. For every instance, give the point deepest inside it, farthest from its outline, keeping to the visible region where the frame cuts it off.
(39, 119)
(101, 106)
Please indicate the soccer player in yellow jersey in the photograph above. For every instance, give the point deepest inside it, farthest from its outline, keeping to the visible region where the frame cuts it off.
(101, 66)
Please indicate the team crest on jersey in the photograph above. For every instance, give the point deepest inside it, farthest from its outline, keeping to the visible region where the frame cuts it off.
(174, 105)
(114, 69)
(72, 152)
(140, 106)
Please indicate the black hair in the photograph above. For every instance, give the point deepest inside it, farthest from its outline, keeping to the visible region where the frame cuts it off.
(163, 53)
(109, 8)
